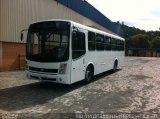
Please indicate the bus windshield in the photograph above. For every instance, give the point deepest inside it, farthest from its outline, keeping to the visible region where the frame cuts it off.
(48, 41)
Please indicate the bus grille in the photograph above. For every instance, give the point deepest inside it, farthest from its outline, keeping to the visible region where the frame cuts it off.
(42, 78)
(43, 70)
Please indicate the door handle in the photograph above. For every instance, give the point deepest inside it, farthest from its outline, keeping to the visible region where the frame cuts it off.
(83, 61)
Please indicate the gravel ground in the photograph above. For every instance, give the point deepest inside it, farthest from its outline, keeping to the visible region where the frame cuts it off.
(134, 88)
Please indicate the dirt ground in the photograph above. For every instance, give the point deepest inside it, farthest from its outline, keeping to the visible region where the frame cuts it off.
(133, 89)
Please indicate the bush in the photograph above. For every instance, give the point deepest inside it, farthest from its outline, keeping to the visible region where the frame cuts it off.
(155, 43)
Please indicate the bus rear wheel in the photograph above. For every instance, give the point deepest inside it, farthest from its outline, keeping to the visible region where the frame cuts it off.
(88, 75)
(115, 66)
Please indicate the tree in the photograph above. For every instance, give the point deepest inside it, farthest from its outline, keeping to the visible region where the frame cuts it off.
(155, 43)
(138, 41)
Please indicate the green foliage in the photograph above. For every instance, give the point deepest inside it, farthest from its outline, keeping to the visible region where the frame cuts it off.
(137, 38)
(155, 43)
(131, 31)
(138, 41)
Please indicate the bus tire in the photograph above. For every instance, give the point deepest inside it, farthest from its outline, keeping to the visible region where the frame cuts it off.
(88, 75)
(115, 66)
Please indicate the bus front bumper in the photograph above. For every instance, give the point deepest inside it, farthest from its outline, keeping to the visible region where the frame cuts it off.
(57, 78)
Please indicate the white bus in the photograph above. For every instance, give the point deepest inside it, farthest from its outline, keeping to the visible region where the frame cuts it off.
(66, 52)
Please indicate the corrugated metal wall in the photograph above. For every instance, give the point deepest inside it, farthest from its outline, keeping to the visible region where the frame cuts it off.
(0, 55)
(16, 15)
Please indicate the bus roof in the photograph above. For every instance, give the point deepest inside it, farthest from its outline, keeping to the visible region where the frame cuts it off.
(84, 27)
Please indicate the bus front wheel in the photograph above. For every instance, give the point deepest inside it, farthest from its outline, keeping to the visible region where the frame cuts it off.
(88, 75)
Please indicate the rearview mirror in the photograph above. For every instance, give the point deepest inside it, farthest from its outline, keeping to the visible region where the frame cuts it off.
(22, 34)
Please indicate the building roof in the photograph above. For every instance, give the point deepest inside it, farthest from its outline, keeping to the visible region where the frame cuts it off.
(87, 10)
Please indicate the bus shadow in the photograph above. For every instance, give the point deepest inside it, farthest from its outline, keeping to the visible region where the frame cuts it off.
(104, 74)
(21, 97)
(25, 96)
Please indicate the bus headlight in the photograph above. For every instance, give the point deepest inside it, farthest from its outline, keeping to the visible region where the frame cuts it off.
(62, 69)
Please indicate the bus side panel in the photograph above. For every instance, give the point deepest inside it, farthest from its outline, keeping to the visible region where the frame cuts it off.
(101, 59)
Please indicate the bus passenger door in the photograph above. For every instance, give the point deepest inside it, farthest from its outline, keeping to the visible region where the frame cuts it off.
(78, 56)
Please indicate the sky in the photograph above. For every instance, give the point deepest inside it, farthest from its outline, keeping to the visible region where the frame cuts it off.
(142, 14)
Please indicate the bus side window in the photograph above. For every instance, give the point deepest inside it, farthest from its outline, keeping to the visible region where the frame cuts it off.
(99, 42)
(113, 42)
(107, 42)
(78, 44)
(123, 45)
(91, 41)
